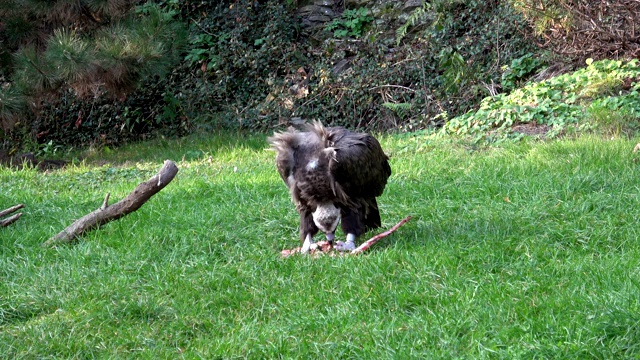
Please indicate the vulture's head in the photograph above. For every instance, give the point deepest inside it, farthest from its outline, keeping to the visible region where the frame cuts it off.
(326, 217)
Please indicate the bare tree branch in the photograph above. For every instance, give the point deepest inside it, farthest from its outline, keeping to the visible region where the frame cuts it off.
(11, 209)
(367, 244)
(107, 213)
(11, 219)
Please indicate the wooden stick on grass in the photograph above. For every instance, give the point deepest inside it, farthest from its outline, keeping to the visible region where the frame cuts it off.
(106, 213)
(11, 219)
(367, 244)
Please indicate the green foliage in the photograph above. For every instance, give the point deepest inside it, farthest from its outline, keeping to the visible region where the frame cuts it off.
(128, 53)
(519, 69)
(144, 46)
(441, 68)
(68, 56)
(158, 110)
(401, 109)
(416, 15)
(461, 46)
(239, 54)
(249, 64)
(455, 71)
(12, 103)
(357, 100)
(351, 23)
(200, 52)
(48, 150)
(32, 74)
(114, 56)
(543, 14)
(559, 102)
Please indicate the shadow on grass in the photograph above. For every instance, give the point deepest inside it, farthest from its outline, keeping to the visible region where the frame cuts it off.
(24, 312)
(192, 147)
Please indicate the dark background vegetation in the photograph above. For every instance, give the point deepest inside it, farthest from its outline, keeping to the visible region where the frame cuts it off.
(259, 65)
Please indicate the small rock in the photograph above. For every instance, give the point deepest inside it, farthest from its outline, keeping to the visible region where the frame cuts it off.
(318, 18)
(342, 65)
(324, 2)
(309, 9)
(411, 5)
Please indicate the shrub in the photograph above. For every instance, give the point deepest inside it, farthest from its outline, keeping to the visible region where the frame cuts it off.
(351, 23)
(585, 28)
(244, 52)
(564, 101)
(64, 54)
(249, 65)
(447, 65)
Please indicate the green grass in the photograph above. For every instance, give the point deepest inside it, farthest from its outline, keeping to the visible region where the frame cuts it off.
(519, 251)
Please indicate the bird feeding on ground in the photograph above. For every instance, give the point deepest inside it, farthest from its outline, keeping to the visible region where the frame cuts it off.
(334, 176)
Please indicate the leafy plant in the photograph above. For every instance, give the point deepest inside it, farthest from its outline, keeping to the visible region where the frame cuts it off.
(519, 69)
(351, 23)
(455, 70)
(559, 102)
(202, 47)
(48, 150)
(400, 109)
(416, 15)
(234, 47)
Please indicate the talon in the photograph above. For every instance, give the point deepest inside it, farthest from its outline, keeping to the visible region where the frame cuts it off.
(348, 245)
(345, 246)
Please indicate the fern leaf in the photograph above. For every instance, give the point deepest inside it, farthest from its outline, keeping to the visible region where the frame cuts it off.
(413, 18)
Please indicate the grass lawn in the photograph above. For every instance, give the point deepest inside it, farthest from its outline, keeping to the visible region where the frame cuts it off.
(517, 251)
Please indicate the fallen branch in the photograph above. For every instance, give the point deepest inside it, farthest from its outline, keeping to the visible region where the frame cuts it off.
(324, 247)
(11, 209)
(106, 213)
(11, 219)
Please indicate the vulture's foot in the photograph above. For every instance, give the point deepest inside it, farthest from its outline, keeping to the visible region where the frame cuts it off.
(348, 245)
(345, 246)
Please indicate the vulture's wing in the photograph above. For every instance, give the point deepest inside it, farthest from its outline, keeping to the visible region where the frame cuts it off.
(360, 166)
(284, 144)
(293, 150)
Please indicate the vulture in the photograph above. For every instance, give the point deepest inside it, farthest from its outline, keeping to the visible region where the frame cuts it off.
(334, 176)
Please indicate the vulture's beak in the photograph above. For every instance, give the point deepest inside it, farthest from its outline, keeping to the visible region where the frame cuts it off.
(330, 236)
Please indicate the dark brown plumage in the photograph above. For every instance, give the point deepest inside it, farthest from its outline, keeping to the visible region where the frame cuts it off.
(332, 174)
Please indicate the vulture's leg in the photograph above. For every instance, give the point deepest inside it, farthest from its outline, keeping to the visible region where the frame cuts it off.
(307, 230)
(353, 224)
(308, 244)
(348, 245)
